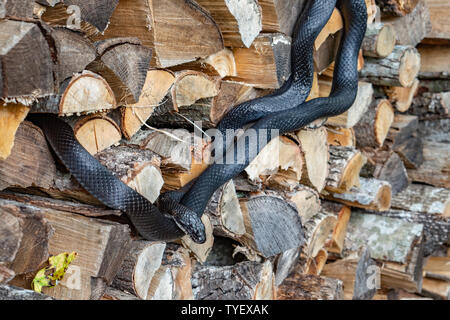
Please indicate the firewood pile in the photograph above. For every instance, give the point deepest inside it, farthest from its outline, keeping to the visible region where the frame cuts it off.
(357, 208)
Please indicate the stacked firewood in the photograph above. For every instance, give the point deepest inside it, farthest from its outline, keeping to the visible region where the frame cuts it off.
(353, 207)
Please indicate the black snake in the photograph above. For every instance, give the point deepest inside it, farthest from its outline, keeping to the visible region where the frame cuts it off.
(179, 213)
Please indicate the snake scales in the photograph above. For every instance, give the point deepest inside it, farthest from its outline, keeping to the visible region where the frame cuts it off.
(179, 213)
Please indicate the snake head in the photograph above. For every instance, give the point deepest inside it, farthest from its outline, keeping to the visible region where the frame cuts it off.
(186, 219)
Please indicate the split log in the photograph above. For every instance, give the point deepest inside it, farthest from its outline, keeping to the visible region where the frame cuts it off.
(266, 64)
(26, 238)
(124, 66)
(241, 23)
(396, 243)
(242, 281)
(434, 169)
(374, 125)
(435, 64)
(351, 117)
(27, 65)
(173, 279)
(156, 87)
(178, 31)
(201, 250)
(317, 230)
(440, 31)
(225, 213)
(345, 164)
(89, 16)
(73, 52)
(431, 106)
(341, 137)
(138, 268)
(403, 140)
(437, 268)
(95, 132)
(30, 162)
(310, 287)
(11, 116)
(272, 225)
(397, 8)
(412, 28)
(400, 68)
(220, 64)
(436, 289)
(19, 9)
(402, 97)
(284, 264)
(61, 205)
(436, 228)
(327, 42)
(88, 275)
(137, 168)
(16, 293)
(314, 147)
(387, 166)
(423, 198)
(342, 213)
(114, 294)
(304, 198)
(182, 160)
(371, 194)
(279, 165)
(358, 274)
(379, 41)
(85, 92)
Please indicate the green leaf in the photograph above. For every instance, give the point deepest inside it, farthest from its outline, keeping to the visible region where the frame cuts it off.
(50, 275)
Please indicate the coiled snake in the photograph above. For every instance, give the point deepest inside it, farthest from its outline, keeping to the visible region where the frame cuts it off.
(179, 213)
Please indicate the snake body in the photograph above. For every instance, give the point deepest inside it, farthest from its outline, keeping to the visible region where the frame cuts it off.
(180, 213)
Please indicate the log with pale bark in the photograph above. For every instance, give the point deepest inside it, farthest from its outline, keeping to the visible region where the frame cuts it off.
(412, 28)
(242, 281)
(345, 164)
(370, 194)
(436, 228)
(400, 68)
(178, 31)
(396, 243)
(423, 198)
(373, 127)
(402, 97)
(379, 40)
(8, 292)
